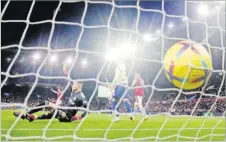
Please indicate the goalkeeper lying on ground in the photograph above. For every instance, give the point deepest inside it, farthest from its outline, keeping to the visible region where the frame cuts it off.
(77, 99)
(50, 102)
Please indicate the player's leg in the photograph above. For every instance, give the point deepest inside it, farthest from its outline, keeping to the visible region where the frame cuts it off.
(38, 109)
(140, 104)
(49, 115)
(135, 110)
(126, 99)
(120, 91)
(84, 105)
(25, 115)
(114, 102)
(17, 114)
(65, 116)
(114, 99)
(110, 106)
(70, 115)
(127, 104)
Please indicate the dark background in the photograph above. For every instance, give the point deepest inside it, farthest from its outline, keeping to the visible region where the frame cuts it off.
(94, 39)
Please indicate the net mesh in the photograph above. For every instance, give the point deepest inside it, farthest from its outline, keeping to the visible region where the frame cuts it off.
(153, 87)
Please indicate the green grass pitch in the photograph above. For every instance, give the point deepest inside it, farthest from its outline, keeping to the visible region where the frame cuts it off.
(96, 125)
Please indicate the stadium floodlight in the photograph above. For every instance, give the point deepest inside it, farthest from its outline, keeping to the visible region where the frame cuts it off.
(147, 37)
(222, 2)
(53, 58)
(84, 63)
(69, 60)
(36, 56)
(113, 54)
(128, 49)
(203, 10)
(158, 31)
(8, 59)
(218, 7)
(171, 25)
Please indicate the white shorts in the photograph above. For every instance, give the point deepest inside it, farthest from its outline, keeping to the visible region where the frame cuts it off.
(138, 100)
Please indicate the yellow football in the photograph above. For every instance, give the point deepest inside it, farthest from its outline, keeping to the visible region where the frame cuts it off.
(189, 63)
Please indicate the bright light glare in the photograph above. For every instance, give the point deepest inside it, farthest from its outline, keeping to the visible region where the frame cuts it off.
(171, 25)
(53, 58)
(218, 7)
(36, 56)
(222, 2)
(113, 54)
(128, 49)
(203, 10)
(8, 59)
(84, 63)
(184, 19)
(147, 37)
(158, 32)
(125, 50)
(69, 60)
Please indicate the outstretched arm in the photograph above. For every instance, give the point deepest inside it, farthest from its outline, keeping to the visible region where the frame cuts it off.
(53, 91)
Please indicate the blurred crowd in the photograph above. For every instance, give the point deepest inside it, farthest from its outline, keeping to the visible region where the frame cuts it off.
(193, 104)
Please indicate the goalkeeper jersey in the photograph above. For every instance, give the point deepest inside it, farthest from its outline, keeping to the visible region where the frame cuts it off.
(77, 99)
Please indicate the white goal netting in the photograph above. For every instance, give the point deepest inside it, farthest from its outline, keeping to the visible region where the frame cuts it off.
(193, 24)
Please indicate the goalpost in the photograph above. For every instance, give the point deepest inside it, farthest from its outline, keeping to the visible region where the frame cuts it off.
(109, 29)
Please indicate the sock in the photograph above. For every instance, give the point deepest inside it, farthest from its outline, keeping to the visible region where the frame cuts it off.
(142, 110)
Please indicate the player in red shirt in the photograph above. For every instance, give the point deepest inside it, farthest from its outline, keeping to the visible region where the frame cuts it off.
(139, 92)
(59, 96)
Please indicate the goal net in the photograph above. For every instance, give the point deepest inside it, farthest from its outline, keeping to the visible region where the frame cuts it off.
(38, 38)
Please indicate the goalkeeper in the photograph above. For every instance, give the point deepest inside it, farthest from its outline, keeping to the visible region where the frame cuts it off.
(50, 102)
(77, 99)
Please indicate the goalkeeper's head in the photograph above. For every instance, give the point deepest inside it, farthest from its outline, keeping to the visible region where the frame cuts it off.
(77, 86)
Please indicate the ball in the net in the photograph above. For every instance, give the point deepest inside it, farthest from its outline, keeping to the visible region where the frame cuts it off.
(189, 63)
